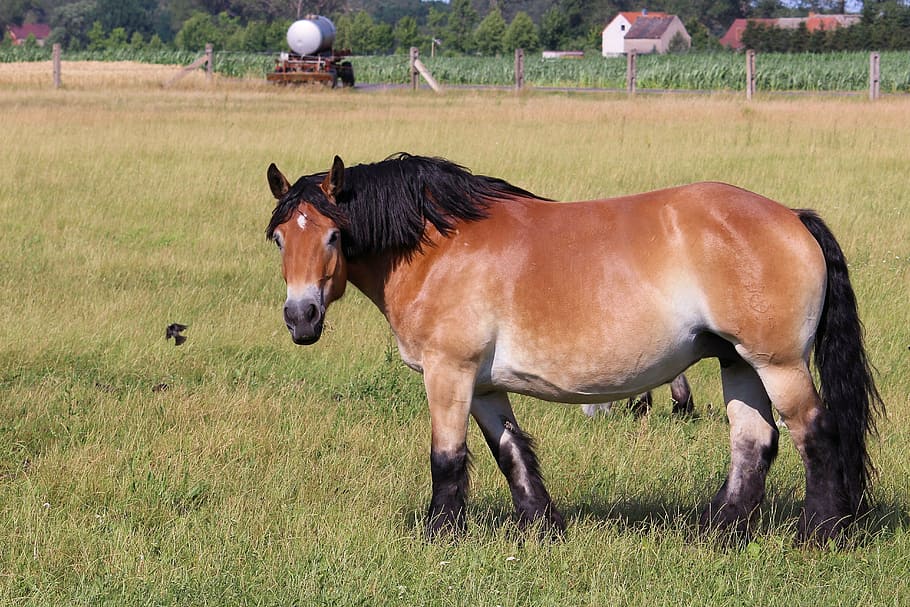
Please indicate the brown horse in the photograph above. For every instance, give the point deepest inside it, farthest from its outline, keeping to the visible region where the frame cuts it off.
(489, 290)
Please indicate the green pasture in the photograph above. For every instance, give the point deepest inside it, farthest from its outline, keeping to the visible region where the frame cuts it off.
(239, 469)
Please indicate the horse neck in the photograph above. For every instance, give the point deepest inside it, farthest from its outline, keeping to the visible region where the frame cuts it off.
(370, 275)
(391, 281)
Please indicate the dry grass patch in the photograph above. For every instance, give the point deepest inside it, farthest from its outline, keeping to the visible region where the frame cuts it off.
(97, 74)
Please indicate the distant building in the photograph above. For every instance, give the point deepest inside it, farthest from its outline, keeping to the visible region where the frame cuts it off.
(654, 34)
(642, 32)
(734, 37)
(20, 33)
(613, 36)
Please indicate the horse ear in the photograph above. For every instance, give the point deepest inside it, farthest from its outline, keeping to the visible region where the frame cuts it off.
(277, 182)
(334, 180)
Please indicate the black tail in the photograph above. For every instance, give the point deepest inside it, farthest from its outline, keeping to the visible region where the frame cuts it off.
(847, 387)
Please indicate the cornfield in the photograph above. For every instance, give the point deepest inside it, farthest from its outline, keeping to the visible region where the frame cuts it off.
(846, 71)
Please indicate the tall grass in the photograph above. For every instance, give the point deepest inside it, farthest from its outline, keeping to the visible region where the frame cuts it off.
(239, 469)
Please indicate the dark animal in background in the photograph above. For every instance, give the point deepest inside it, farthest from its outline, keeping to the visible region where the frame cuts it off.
(680, 394)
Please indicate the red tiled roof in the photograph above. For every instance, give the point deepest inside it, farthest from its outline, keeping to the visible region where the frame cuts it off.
(829, 22)
(632, 16)
(39, 30)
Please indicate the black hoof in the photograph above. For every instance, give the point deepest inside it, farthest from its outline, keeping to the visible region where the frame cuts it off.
(550, 526)
(445, 525)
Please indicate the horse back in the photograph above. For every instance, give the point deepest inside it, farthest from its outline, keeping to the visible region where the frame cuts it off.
(538, 287)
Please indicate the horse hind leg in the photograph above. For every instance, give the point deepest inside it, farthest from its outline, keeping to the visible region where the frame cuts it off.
(753, 447)
(513, 450)
(828, 507)
(681, 393)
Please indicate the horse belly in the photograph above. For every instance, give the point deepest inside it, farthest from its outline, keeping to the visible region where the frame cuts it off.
(577, 377)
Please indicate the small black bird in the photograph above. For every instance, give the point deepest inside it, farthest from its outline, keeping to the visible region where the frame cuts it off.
(173, 330)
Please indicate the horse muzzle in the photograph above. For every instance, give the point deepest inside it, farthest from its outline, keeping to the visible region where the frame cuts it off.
(304, 320)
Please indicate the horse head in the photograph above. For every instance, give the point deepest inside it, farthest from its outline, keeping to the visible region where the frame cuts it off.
(312, 261)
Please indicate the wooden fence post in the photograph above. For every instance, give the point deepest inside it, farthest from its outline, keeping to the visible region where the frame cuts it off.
(209, 62)
(519, 69)
(875, 90)
(413, 68)
(750, 74)
(207, 59)
(56, 51)
(631, 72)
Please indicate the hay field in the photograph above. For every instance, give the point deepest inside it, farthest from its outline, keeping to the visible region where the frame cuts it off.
(239, 469)
(94, 75)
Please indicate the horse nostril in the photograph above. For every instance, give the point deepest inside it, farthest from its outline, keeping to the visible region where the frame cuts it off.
(311, 313)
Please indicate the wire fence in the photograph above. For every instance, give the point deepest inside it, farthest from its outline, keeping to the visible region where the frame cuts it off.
(719, 71)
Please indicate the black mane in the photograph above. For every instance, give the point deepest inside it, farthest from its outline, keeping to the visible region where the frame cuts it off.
(383, 206)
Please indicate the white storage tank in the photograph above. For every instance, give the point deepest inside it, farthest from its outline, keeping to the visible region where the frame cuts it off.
(311, 36)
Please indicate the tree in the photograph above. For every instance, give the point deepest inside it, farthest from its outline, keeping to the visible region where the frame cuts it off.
(254, 37)
(199, 30)
(766, 9)
(117, 38)
(521, 33)
(155, 43)
(12, 11)
(96, 38)
(407, 34)
(437, 21)
(277, 36)
(488, 37)
(678, 44)
(381, 39)
(554, 29)
(360, 33)
(702, 40)
(458, 34)
(131, 15)
(71, 23)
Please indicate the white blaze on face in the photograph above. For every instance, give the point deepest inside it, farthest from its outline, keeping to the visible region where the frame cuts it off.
(301, 221)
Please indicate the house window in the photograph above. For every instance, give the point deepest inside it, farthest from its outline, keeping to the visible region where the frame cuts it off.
(622, 28)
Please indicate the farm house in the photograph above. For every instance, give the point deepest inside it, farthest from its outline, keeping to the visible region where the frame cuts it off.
(613, 36)
(643, 32)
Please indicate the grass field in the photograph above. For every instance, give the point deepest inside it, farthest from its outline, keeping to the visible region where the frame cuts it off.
(239, 469)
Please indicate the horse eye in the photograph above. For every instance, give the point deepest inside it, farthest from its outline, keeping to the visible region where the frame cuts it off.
(333, 237)
(277, 239)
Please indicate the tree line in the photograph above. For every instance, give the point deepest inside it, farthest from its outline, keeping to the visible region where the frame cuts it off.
(485, 27)
(883, 27)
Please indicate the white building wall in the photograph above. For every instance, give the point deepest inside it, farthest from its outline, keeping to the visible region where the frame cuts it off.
(613, 36)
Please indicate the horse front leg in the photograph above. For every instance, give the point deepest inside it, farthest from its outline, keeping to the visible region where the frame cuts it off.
(449, 393)
(513, 450)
